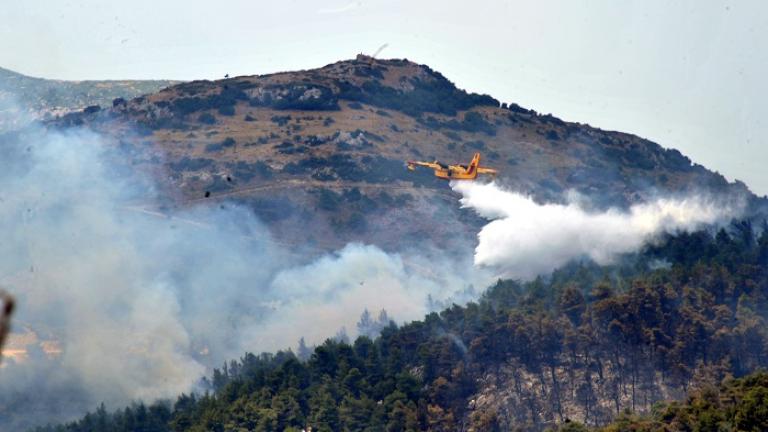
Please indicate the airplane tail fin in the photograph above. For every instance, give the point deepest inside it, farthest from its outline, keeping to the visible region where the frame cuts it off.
(472, 168)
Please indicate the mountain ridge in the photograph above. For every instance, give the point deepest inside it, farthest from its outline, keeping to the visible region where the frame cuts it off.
(333, 141)
(24, 98)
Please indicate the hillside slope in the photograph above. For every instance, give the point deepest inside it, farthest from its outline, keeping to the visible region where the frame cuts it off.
(586, 345)
(325, 148)
(735, 405)
(27, 98)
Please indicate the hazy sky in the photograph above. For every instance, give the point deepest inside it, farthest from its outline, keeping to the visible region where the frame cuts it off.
(686, 74)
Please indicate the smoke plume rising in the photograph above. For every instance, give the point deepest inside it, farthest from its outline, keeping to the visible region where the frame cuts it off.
(117, 304)
(524, 239)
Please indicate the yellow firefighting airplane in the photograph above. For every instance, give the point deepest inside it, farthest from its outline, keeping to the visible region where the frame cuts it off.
(455, 172)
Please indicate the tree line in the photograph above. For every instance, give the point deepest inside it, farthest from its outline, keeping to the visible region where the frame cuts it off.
(579, 347)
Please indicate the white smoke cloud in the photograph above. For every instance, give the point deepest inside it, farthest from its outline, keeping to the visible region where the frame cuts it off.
(13, 117)
(329, 292)
(142, 305)
(524, 239)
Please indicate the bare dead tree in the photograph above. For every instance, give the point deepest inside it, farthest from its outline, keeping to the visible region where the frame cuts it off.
(5, 317)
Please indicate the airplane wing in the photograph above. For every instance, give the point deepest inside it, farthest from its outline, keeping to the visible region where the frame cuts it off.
(490, 171)
(413, 164)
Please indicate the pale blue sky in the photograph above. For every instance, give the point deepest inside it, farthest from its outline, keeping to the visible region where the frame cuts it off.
(687, 74)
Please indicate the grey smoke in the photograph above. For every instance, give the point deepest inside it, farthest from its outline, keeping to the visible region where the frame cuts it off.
(12, 117)
(142, 306)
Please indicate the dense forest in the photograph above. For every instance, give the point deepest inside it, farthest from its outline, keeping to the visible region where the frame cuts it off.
(586, 345)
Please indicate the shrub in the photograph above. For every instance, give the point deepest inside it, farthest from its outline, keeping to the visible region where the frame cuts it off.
(281, 120)
(472, 122)
(191, 164)
(475, 122)
(227, 110)
(435, 94)
(552, 135)
(228, 142)
(452, 135)
(477, 145)
(303, 97)
(328, 200)
(353, 195)
(246, 171)
(357, 222)
(227, 97)
(369, 71)
(341, 166)
(549, 118)
(272, 209)
(206, 118)
(520, 110)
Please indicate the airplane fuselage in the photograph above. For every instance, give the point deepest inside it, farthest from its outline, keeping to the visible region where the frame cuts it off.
(455, 172)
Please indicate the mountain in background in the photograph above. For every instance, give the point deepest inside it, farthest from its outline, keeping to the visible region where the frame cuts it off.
(326, 148)
(24, 98)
